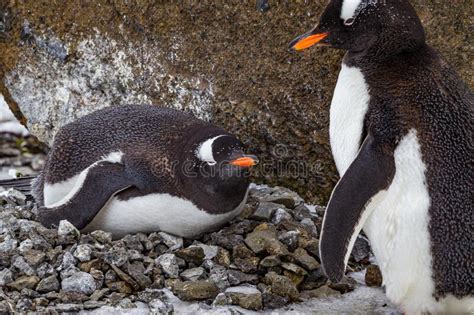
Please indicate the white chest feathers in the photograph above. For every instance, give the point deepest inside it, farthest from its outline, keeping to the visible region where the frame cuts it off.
(399, 235)
(348, 108)
(157, 212)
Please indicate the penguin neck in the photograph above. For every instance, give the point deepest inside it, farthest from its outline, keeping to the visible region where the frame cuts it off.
(376, 54)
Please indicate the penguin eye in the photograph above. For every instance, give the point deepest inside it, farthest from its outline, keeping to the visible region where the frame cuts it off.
(349, 22)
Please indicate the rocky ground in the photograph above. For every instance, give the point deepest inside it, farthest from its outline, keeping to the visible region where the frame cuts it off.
(265, 259)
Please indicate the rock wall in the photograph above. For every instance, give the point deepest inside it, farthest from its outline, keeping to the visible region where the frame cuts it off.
(226, 61)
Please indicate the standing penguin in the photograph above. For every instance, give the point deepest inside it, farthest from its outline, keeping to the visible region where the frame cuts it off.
(142, 168)
(401, 133)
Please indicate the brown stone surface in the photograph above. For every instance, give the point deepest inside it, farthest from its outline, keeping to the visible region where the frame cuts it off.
(224, 60)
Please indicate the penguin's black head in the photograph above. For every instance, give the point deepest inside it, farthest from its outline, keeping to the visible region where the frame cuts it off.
(220, 166)
(386, 26)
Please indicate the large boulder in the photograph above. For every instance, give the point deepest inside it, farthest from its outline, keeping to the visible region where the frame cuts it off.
(226, 62)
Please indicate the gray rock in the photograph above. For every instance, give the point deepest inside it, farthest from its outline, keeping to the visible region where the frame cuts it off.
(25, 245)
(137, 271)
(361, 249)
(247, 265)
(322, 292)
(83, 252)
(282, 286)
(302, 212)
(314, 280)
(9, 244)
(265, 211)
(283, 196)
(133, 242)
(173, 242)
(102, 237)
(48, 284)
(195, 290)
(89, 305)
(67, 262)
(157, 306)
(67, 307)
(24, 304)
(270, 261)
(117, 256)
(304, 259)
(228, 241)
(193, 254)
(6, 276)
(290, 239)
(13, 196)
(294, 269)
(67, 232)
(44, 270)
(259, 237)
(20, 263)
(280, 215)
(245, 296)
(237, 277)
(310, 226)
(169, 265)
(80, 282)
(271, 301)
(193, 274)
(220, 300)
(219, 276)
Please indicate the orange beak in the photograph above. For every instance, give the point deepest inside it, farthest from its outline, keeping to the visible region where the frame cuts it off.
(245, 161)
(307, 40)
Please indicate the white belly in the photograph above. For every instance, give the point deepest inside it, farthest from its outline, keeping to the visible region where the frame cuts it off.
(399, 236)
(348, 108)
(157, 212)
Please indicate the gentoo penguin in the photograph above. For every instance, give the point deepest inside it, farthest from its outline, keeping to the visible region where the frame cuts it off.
(401, 133)
(143, 168)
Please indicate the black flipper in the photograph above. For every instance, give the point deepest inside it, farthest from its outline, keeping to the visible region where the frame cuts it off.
(371, 172)
(102, 181)
(22, 184)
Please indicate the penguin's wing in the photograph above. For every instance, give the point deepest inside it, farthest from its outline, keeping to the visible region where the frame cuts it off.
(372, 171)
(102, 181)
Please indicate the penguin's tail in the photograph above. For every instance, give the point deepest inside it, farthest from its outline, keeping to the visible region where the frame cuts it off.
(22, 184)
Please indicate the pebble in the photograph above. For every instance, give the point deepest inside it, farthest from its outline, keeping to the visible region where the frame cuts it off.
(195, 290)
(173, 242)
(193, 254)
(168, 264)
(6, 276)
(80, 282)
(321, 292)
(245, 296)
(280, 215)
(193, 274)
(157, 306)
(67, 232)
(24, 282)
(48, 284)
(83, 252)
(373, 276)
(265, 211)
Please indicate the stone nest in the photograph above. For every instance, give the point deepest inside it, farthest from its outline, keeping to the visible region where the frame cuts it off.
(264, 259)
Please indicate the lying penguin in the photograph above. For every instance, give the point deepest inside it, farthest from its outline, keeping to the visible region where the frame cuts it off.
(142, 168)
(401, 133)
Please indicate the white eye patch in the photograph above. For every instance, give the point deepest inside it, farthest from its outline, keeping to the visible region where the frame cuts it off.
(204, 151)
(351, 8)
